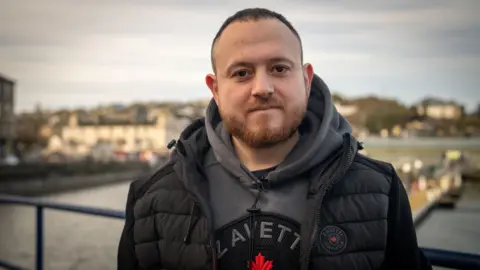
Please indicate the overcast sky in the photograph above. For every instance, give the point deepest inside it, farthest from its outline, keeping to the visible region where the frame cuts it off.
(67, 53)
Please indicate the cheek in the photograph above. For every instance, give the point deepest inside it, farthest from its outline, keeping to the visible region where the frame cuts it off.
(232, 103)
(294, 99)
(233, 98)
(295, 106)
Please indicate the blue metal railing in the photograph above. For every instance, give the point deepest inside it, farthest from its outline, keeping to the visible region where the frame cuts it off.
(437, 257)
(40, 206)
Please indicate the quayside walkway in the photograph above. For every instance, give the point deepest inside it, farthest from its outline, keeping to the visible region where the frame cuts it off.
(455, 228)
(448, 236)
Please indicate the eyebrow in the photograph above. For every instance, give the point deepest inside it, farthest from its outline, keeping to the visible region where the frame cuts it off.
(249, 64)
(282, 59)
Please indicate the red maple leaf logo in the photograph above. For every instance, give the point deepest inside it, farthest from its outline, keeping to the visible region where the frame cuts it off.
(333, 239)
(261, 264)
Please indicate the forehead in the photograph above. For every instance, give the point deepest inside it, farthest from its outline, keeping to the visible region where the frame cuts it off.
(256, 41)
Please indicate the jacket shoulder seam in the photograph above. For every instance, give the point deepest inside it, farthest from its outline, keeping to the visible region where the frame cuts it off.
(157, 176)
(379, 166)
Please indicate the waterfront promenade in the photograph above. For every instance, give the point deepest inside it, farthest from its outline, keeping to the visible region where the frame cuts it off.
(455, 229)
(76, 241)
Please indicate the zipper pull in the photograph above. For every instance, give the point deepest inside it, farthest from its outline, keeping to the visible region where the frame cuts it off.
(191, 222)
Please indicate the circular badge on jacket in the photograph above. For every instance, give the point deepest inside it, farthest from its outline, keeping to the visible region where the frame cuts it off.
(333, 239)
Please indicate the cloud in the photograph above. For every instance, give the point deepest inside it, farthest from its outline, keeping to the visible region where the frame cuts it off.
(83, 52)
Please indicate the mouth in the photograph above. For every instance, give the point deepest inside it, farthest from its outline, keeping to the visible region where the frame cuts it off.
(264, 109)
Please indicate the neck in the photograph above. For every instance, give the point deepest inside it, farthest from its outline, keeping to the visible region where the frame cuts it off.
(258, 159)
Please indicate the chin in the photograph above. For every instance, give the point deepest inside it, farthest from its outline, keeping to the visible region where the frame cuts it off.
(267, 131)
(270, 126)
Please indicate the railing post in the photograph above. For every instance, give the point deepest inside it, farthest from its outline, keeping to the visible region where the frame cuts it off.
(39, 250)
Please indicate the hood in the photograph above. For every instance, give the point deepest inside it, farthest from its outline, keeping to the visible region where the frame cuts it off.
(322, 135)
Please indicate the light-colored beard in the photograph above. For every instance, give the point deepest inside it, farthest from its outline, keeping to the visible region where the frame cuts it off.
(264, 137)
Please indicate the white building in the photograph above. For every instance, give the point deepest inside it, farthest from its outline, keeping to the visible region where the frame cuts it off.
(77, 138)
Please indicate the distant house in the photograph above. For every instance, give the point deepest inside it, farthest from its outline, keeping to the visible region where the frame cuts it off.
(438, 109)
(351, 113)
(346, 110)
(84, 133)
(7, 116)
(129, 129)
(418, 128)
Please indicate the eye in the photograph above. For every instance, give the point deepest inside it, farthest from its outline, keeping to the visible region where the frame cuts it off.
(241, 73)
(280, 70)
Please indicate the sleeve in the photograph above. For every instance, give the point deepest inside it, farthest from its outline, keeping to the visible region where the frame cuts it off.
(126, 258)
(402, 250)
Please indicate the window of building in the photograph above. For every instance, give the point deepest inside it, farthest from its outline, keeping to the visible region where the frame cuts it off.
(6, 110)
(1, 90)
(7, 92)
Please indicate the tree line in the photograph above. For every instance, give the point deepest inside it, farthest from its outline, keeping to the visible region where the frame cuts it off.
(376, 113)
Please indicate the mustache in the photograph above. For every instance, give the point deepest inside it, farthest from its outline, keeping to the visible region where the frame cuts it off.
(271, 104)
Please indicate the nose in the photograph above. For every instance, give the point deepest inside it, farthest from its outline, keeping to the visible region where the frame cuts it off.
(263, 86)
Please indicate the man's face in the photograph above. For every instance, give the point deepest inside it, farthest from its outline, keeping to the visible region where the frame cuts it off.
(260, 85)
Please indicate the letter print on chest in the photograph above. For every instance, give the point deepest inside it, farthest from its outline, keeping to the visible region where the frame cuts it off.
(276, 244)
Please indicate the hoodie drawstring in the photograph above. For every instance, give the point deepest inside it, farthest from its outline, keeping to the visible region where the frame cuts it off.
(253, 211)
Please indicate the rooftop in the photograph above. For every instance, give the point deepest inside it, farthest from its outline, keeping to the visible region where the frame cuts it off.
(6, 78)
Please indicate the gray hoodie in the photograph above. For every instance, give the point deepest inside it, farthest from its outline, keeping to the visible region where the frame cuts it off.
(230, 183)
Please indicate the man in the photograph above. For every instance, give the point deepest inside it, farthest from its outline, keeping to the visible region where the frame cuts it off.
(273, 160)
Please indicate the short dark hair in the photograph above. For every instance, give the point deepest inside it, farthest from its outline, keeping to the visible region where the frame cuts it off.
(253, 14)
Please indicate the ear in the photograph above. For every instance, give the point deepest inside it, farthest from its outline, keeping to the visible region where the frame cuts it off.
(308, 77)
(211, 81)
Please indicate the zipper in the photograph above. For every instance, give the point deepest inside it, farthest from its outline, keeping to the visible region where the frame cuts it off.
(202, 202)
(252, 211)
(212, 233)
(205, 208)
(214, 253)
(191, 224)
(324, 191)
